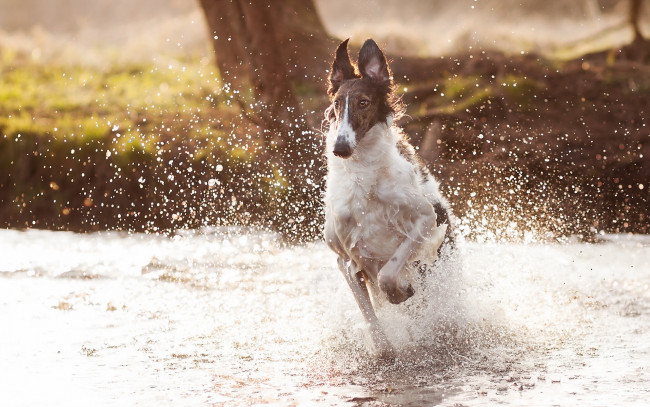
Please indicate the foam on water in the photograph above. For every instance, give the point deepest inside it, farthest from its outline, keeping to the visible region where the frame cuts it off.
(231, 316)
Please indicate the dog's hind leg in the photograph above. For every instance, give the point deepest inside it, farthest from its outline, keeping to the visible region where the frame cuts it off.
(360, 292)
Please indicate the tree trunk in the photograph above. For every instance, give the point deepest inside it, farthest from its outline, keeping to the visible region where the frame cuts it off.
(266, 50)
(639, 49)
(634, 18)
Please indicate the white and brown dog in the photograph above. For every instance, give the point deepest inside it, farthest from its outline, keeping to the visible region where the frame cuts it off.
(384, 215)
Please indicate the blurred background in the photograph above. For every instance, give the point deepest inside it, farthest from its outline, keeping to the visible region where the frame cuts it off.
(114, 114)
(76, 31)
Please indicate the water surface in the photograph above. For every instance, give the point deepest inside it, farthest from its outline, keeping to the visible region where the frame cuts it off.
(230, 317)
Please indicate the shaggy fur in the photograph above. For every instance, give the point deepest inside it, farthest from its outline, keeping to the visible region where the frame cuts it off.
(384, 214)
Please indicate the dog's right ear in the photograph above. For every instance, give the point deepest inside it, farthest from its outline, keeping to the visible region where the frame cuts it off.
(342, 68)
(372, 63)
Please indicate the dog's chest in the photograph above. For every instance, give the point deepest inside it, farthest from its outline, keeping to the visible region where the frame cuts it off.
(373, 207)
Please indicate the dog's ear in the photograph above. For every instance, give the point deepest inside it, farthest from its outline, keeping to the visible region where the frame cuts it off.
(372, 63)
(342, 68)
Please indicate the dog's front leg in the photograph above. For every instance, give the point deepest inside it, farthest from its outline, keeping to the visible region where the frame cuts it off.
(399, 290)
(360, 292)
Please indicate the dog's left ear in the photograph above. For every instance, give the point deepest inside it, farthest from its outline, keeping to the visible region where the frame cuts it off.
(372, 62)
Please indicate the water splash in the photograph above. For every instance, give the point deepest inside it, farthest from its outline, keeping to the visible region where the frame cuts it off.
(231, 316)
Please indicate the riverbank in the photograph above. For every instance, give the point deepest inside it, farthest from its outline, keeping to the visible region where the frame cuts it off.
(523, 146)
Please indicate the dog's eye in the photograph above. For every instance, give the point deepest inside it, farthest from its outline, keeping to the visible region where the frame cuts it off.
(337, 104)
(364, 103)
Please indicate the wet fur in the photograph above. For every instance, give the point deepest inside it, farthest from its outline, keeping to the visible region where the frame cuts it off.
(384, 213)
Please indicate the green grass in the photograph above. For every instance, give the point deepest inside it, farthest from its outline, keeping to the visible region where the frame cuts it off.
(79, 101)
(86, 148)
(458, 94)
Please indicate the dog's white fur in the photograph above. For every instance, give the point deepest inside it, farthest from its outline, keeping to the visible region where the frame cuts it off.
(377, 193)
(344, 130)
(379, 201)
(376, 209)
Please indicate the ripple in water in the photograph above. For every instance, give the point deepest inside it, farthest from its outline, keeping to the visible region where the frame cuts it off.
(227, 316)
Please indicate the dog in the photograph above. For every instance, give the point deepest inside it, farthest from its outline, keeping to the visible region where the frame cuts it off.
(384, 214)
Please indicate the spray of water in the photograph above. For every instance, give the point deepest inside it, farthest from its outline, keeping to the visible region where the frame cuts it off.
(256, 316)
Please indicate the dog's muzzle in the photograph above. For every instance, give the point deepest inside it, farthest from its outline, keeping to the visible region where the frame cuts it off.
(342, 148)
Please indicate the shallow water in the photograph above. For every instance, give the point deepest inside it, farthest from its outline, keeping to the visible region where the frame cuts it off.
(227, 317)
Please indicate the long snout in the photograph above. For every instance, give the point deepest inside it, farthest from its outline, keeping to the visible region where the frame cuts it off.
(346, 137)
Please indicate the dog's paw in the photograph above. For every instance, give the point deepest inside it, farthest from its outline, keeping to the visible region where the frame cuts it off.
(400, 295)
(397, 291)
(383, 348)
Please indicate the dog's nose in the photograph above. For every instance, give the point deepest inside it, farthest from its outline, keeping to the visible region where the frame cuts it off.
(342, 149)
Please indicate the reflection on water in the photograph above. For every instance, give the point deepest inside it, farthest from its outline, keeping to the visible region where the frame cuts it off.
(230, 317)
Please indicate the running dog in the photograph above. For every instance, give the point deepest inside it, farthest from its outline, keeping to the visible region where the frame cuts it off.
(384, 215)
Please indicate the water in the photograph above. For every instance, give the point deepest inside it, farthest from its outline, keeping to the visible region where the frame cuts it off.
(229, 317)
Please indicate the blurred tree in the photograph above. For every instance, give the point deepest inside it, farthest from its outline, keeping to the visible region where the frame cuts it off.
(267, 49)
(635, 19)
(639, 49)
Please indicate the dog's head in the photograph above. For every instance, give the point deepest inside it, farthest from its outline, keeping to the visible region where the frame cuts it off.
(360, 97)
